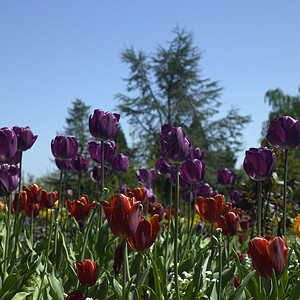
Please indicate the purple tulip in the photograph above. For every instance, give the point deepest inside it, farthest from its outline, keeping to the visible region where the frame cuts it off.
(259, 163)
(15, 160)
(182, 182)
(110, 149)
(122, 189)
(193, 170)
(175, 145)
(144, 178)
(235, 196)
(187, 197)
(103, 125)
(163, 167)
(95, 173)
(63, 147)
(9, 177)
(197, 153)
(80, 163)
(284, 133)
(67, 164)
(8, 144)
(226, 177)
(25, 137)
(204, 190)
(120, 163)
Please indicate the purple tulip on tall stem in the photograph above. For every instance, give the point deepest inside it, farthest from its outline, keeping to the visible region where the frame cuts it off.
(284, 133)
(175, 147)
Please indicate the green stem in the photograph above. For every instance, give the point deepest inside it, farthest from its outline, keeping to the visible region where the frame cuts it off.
(102, 166)
(176, 235)
(284, 191)
(124, 269)
(189, 208)
(259, 207)
(138, 269)
(86, 292)
(212, 240)
(79, 185)
(228, 246)
(19, 194)
(7, 235)
(220, 270)
(168, 230)
(31, 225)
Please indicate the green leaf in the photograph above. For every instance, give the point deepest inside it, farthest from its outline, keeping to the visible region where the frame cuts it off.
(8, 283)
(57, 289)
(156, 277)
(20, 296)
(236, 295)
(144, 275)
(274, 288)
(227, 275)
(295, 292)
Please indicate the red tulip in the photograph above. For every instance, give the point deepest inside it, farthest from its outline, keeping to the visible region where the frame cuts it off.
(87, 272)
(76, 295)
(80, 208)
(48, 199)
(122, 215)
(210, 209)
(268, 253)
(140, 194)
(236, 282)
(229, 223)
(145, 235)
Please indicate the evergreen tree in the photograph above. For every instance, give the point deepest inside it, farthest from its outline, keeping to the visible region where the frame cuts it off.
(167, 87)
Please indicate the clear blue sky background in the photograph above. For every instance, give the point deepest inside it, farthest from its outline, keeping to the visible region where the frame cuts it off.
(52, 52)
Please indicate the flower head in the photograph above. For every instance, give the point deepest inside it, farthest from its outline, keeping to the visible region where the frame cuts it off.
(80, 163)
(87, 272)
(163, 167)
(120, 163)
(109, 147)
(9, 177)
(268, 253)
(210, 209)
(25, 138)
(8, 144)
(175, 145)
(193, 170)
(103, 125)
(229, 223)
(297, 225)
(122, 215)
(145, 235)
(226, 177)
(284, 133)
(80, 208)
(64, 147)
(259, 163)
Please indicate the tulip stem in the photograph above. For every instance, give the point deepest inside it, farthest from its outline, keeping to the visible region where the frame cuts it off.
(259, 207)
(212, 240)
(86, 292)
(220, 269)
(176, 234)
(19, 194)
(7, 235)
(189, 209)
(31, 225)
(138, 269)
(228, 248)
(284, 191)
(124, 269)
(169, 225)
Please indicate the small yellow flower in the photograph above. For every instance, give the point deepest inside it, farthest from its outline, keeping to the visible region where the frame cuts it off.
(297, 225)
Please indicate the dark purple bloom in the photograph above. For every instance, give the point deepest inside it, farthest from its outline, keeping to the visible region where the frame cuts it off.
(144, 178)
(163, 167)
(67, 164)
(182, 182)
(284, 133)
(103, 125)
(226, 177)
(235, 196)
(25, 138)
(9, 177)
(259, 163)
(8, 143)
(175, 145)
(122, 189)
(120, 163)
(95, 173)
(80, 163)
(15, 160)
(64, 147)
(187, 197)
(193, 170)
(110, 149)
(197, 153)
(204, 190)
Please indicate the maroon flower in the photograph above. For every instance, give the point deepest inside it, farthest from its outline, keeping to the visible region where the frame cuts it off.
(80, 208)
(87, 272)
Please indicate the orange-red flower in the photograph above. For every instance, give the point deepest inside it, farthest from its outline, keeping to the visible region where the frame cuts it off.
(80, 208)
(268, 253)
(32, 199)
(140, 194)
(122, 215)
(145, 235)
(75, 295)
(48, 199)
(167, 211)
(210, 209)
(87, 272)
(229, 223)
(236, 282)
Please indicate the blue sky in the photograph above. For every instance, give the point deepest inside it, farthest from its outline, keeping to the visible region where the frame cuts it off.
(55, 51)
